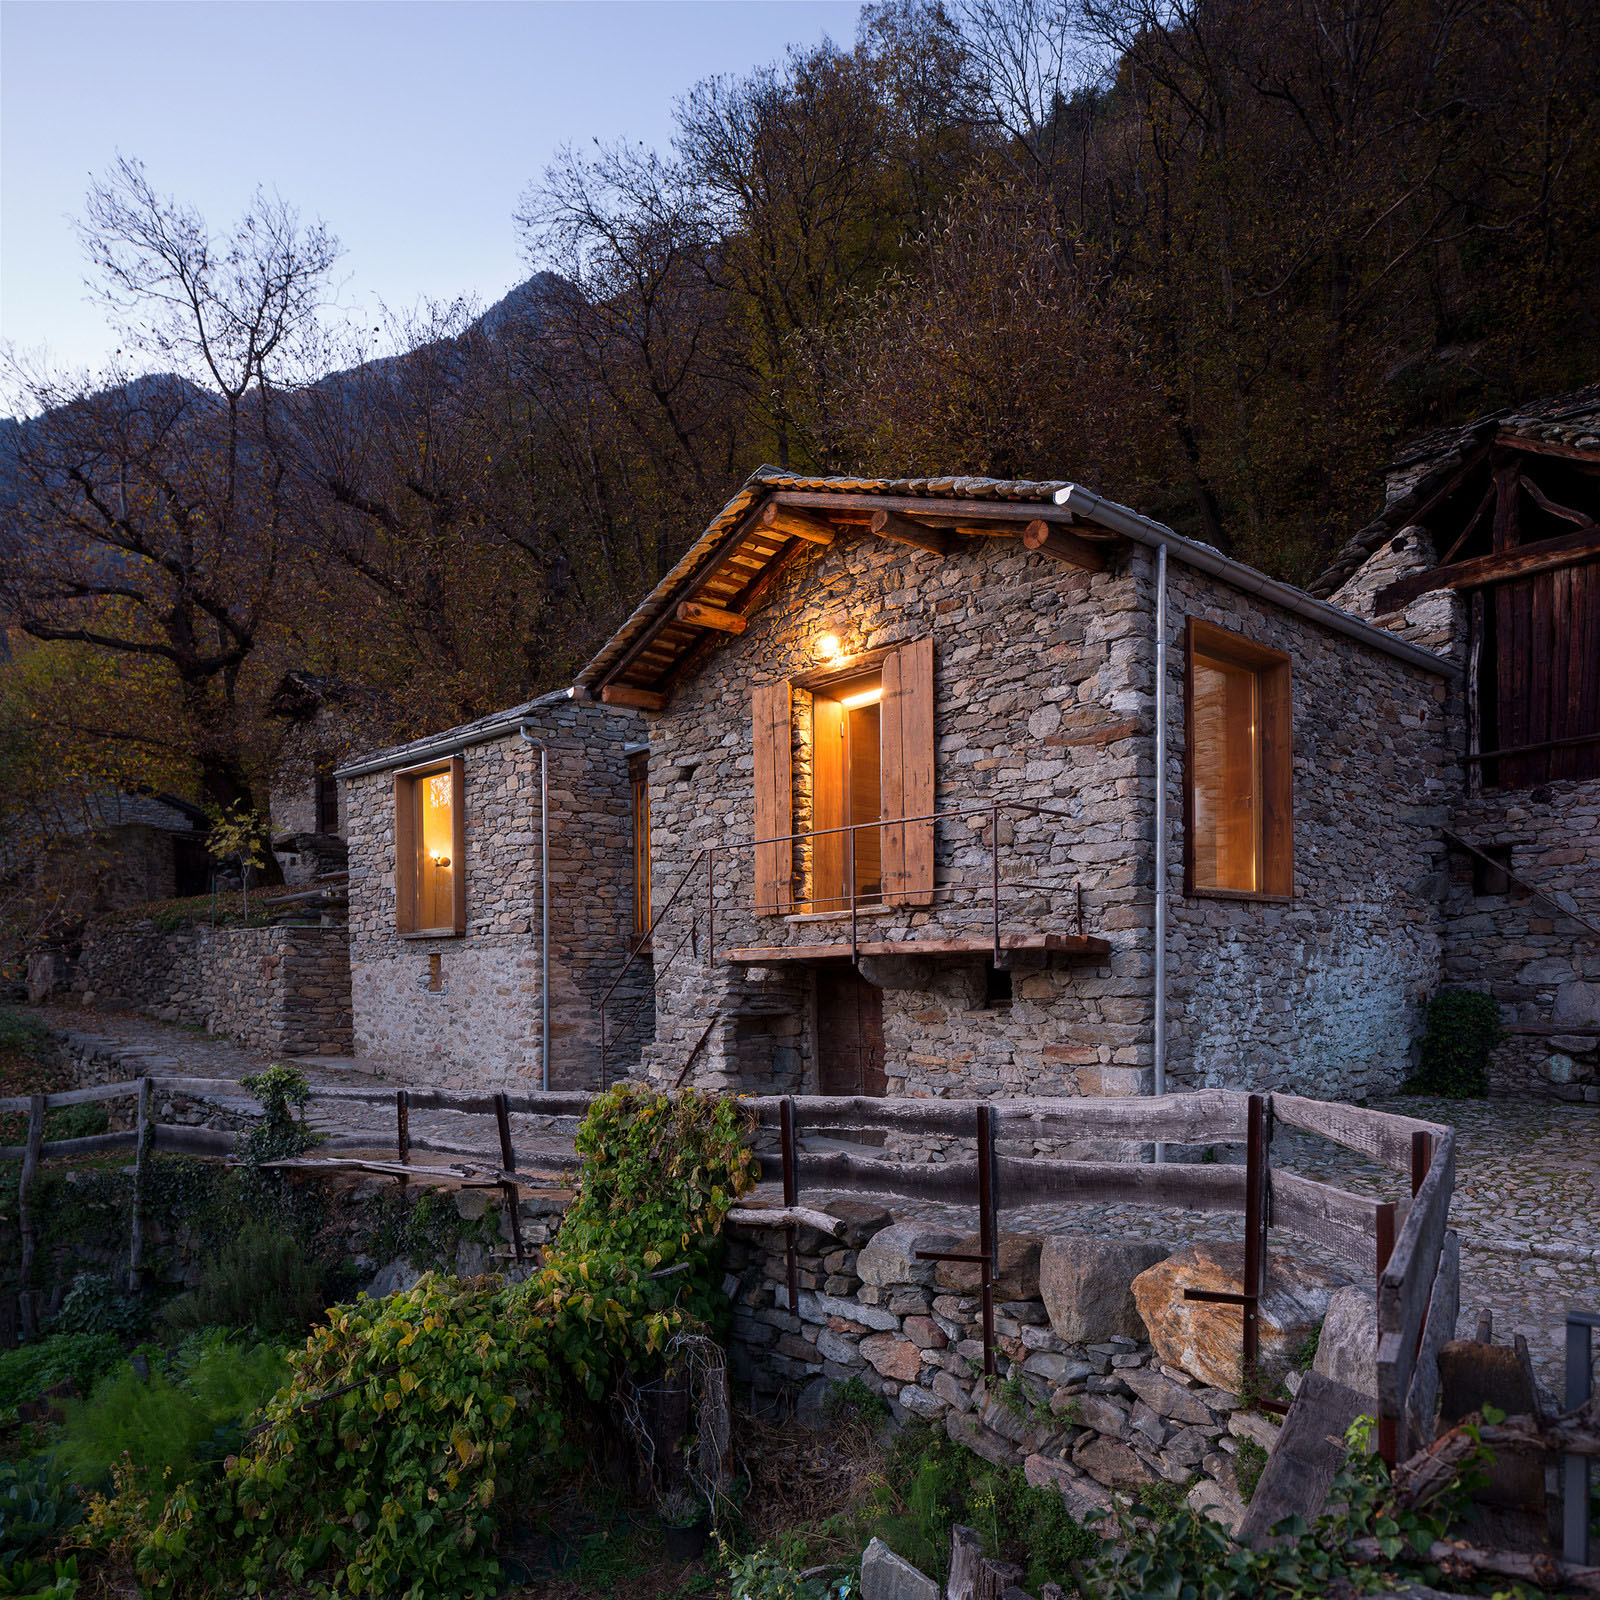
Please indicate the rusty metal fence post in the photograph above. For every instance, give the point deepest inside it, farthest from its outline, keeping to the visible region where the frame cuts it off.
(791, 1194)
(987, 1260)
(402, 1131)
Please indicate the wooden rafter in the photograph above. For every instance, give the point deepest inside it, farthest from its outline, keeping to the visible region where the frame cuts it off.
(903, 530)
(696, 615)
(1059, 545)
(1480, 571)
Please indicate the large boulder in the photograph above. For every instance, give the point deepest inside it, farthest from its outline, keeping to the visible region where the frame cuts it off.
(1086, 1285)
(1204, 1339)
(1019, 1267)
(890, 1256)
(1347, 1351)
(861, 1219)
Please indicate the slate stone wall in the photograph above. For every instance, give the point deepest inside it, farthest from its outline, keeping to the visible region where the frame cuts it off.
(1043, 692)
(279, 990)
(476, 1022)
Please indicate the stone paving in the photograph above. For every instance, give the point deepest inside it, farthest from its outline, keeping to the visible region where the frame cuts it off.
(1527, 1197)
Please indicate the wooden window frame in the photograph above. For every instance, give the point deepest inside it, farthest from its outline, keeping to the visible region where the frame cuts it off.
(406, 780)
(639, 807)
(1273, 670)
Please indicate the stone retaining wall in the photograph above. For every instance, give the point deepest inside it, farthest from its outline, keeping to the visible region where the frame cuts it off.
(280, 990)
(1083, 1399)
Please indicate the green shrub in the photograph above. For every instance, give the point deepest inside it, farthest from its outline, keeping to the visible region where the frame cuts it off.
(37, 1505)
(171, 1422)
(280, 1134)
(41, 1580)
(76, 1122)
(853, 1401)
(260, 1280)
(1251, 1464)
(81, 1358)
(1463, 1028)
(94, 1305)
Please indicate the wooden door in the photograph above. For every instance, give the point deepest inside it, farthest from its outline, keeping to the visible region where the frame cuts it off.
(849, 1033)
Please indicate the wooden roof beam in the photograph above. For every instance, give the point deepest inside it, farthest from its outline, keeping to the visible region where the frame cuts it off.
(1060, 545)
(891, 525)
(792, 524)
(625, 694)
(1481, 571)
(702, 616)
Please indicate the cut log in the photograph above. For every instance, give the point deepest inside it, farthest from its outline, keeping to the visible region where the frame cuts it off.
(1310, 1449)
(702, 616)
(1460, 1560)
(795, 524)
(625, 694)
(1059, 545)
(784, 1217)
(891, 525)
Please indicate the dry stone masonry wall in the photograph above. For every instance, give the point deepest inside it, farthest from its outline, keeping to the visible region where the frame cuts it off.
(279, 990)
(475, 1020)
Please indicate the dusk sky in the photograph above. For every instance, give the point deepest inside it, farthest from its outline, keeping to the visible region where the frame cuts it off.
(409, 128)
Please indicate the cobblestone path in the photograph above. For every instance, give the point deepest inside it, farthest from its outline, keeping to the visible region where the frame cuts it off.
(1527, 1198)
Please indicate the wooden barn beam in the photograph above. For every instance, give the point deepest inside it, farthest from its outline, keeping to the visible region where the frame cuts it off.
(703, 616)
(1481, 571)
(795, 524)
(625, 694)
(1060, 545)
(891, 525)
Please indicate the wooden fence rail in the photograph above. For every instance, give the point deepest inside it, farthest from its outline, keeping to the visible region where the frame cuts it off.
(1416, 1272)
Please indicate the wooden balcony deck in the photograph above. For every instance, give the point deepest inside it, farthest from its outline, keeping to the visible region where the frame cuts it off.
(1074, 948)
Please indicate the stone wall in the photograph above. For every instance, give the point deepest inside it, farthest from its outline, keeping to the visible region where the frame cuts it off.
(1321, 994)
(280, 990)
(1081, 1398)
(1043, 692)
(475, 1021)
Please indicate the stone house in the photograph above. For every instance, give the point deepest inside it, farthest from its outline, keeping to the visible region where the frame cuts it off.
(1488, 552)
(904, 739)
(449, 985)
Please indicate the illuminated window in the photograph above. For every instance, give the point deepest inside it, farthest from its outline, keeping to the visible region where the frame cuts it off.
(1239, 832)
(846, 722)
(429, 835)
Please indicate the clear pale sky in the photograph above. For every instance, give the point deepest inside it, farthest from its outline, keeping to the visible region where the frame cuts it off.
(410, 128)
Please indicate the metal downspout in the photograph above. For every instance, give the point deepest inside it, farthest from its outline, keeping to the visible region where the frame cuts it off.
(544, 903)
(1160, 1084)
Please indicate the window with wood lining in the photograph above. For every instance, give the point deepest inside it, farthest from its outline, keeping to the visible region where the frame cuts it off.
(1239, 779)
(430, 849)
(639, 786)
(871, 760)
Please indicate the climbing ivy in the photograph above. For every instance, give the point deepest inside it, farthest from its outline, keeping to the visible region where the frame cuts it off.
(1462, 1031)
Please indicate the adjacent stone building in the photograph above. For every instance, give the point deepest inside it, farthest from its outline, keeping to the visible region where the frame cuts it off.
(1488, 552)
(446, 942)
(980, 658)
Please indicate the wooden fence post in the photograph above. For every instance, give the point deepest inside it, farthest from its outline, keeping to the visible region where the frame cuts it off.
(402, 1132)
(25, 1225)
(1388, 1427)
(508, 1161)
(136, 1221)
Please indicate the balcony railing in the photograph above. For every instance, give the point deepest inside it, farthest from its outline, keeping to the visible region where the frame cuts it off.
(702, 870)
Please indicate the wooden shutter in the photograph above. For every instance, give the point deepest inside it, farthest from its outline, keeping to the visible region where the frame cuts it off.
(405, 856)
(774, 785)
(458, 843)
(906, 773)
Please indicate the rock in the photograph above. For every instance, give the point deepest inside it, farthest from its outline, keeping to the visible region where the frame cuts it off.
(891, 1357)
(1575, 1044)
(885, 1576)
(861, 1218)
(1203, 1339)
(1055, 1368)
(395, 1278)
(950, 1390)
(923, 1402)
(1347, 1350)
(811, 1406)
(965, 1429)
(1210, 1499)
(837, 1347)
(1019, 1267)
(1085, 1285)
(471, 1204)
(821, 1307)
(1081, 1495)
(1096, 1412)
(890, 1256)
(925, 1333)
(1577, 1005)
(1254, 1426)
(1166, 1398)
(1558, 1068)
(907, 1303)
(1148, 1425)
(1109, 1462)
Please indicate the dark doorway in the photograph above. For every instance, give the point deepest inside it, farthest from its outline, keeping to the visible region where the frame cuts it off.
(849, 1033)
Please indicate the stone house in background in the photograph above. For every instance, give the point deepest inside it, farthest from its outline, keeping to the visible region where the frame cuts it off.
(1488, 551)
(448, 983)
(981, 659)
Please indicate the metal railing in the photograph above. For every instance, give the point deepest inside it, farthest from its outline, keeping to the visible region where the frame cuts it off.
(705, 861)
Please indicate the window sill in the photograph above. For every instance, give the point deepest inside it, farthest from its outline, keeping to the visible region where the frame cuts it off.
(433, 933)
(840, 916)
(1239, 894)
